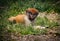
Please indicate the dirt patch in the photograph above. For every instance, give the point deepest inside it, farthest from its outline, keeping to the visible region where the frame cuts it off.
(18, 37)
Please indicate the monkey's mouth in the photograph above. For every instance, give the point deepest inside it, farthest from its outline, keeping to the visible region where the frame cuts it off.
(31, 19)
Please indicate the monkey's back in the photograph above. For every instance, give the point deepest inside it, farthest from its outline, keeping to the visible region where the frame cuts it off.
(20, 18)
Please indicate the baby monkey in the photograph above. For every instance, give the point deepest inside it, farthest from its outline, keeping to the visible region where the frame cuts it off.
(27, 18)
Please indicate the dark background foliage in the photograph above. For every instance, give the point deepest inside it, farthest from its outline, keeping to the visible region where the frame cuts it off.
(42, 5)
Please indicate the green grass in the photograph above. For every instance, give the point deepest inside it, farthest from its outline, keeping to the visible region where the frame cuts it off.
(45, 22)
(24, 30)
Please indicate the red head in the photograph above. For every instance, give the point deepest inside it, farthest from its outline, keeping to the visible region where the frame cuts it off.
(32, 13)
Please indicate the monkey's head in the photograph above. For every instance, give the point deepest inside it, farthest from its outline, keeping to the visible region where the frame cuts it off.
(32, 13)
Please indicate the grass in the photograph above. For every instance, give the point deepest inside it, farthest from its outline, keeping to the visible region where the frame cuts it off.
(45, 22)
(24, 30)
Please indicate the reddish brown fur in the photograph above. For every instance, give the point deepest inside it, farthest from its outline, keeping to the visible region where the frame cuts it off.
(33, 10)
(19, 18)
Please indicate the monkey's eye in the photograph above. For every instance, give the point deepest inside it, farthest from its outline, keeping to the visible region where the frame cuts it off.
(29, 12)
(36, 14)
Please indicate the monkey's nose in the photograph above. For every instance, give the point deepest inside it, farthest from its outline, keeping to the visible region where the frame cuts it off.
(31, 16)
